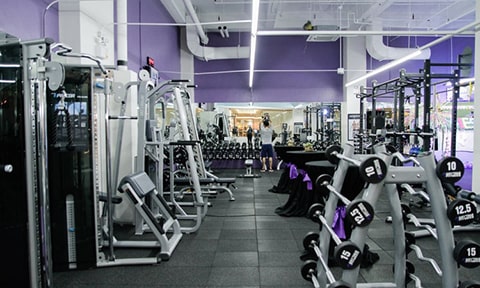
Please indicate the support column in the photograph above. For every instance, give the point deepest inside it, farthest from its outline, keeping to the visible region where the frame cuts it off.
(87, 27)
(476, 104)
(355, 64)
(187, 68)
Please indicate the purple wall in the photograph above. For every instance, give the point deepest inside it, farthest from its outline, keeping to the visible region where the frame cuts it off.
(444, 52)
(274, 54)
(159, 42)
(162, 43)
(24, 19)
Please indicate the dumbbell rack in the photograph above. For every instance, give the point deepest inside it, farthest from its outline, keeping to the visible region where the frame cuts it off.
(423, 173)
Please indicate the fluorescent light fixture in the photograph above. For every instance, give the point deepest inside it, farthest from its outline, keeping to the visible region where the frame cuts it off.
(253, 41)
(414, 54)
(9, 65)
(385, 67)
(8, 81)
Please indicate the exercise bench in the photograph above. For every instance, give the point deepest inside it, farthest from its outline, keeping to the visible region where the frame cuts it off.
(138, 187)
(212, 183)
(248, 173)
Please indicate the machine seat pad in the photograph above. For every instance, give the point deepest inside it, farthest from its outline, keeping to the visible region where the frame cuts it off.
(225, 180)
(140, 182)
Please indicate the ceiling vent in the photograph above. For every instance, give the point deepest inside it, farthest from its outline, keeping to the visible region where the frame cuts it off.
(323, 38)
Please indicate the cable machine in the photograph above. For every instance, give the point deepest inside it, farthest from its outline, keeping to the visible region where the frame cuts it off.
(26, 73)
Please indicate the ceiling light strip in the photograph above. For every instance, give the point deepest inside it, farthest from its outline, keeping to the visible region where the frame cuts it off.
(413, 54)
(253, 41)
(385, 67)
(356, 32)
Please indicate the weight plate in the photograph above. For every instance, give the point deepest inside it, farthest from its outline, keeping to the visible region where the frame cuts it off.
(310, 239)
(360, 213)
(309, 269)
(347, 255)
(461, 212)
(321, 182)
(373, 170)
(450, 169)
(314, 210)
(329, 153)
(467, 253)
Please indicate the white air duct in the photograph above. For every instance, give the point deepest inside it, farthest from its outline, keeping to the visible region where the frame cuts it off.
(212, 53)
(198, 26)
(378, 50)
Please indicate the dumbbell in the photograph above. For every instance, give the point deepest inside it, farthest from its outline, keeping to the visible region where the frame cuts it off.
(467, 253)
(450, 169)
(346, 253)
(469, 195)
(461, 212)
(372, 170)
(359, 212)
(309, 273)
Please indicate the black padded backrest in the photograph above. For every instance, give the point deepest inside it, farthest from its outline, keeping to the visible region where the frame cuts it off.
(140, 182)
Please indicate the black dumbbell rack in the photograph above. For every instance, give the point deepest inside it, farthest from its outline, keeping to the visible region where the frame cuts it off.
(424, 171)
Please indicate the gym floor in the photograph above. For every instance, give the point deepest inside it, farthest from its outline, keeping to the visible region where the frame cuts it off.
(243, 243)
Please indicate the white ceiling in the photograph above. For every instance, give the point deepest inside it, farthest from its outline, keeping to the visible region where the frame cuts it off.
(330, 18)
(345, 15)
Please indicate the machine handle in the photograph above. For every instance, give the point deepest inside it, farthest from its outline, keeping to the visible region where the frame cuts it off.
(7, 168)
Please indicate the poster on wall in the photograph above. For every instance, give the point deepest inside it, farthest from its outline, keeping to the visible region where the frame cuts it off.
(353, 125)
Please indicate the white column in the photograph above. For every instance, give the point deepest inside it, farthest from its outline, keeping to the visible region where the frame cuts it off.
(87, 27)
(187, 68)
(355, 64)
(476, 135)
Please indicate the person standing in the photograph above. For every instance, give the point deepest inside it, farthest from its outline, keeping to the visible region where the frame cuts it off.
(266, 153)
(249, 135)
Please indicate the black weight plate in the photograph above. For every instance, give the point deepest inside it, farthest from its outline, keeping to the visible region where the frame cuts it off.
(450, 169)
(347, 255)
(310, 239)
(320, 184)
(329, 153)
(360, 213)
(461, 212)
(309, 267)
(373, 170)
(467, 253)
(314, 210)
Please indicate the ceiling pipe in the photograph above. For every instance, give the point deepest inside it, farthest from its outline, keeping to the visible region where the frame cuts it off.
(193, 32)
(212, 53)
(220, 30)
(193, 14)
(378, 50)
(225, 31)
